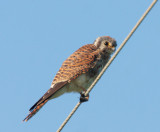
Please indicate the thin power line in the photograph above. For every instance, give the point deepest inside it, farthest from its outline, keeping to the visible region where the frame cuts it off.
(109, 62)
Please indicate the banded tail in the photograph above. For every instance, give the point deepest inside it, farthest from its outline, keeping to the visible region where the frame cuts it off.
(35, 108)
(44, 99)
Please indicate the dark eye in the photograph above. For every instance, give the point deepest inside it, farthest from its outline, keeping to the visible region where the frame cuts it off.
(106, 43)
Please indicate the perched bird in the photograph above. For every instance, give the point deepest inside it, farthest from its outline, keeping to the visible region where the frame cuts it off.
(78, 71)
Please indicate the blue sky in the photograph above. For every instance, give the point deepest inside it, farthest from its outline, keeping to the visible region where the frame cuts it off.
(36, 36)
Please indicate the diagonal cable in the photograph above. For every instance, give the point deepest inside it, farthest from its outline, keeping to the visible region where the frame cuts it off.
(109, 62)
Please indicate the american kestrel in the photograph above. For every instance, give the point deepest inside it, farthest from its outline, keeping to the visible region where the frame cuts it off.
(78, 71)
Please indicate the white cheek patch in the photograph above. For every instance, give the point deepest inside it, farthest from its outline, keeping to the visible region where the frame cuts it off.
(103, 47)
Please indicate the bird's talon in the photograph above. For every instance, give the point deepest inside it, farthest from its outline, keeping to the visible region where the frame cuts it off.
(84, 98)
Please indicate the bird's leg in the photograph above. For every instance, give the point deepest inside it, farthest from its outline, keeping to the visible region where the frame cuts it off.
(84, 98)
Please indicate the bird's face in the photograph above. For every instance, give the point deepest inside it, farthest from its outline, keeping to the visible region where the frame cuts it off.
(105, 44)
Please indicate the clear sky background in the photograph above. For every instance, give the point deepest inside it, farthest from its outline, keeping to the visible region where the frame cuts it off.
(36, 36)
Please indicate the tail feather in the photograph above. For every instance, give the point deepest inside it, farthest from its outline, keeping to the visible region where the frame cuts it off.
(35, 109)
(40, 103)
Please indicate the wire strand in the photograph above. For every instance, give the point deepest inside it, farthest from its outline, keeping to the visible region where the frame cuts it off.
(109, 62)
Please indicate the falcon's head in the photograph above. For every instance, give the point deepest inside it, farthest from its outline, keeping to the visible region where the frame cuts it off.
(106, 44)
